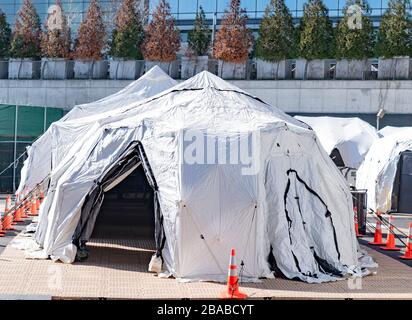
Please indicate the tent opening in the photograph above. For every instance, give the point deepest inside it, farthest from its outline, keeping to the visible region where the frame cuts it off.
(122, 208)
(402, 187)
(337, 158)
(127, 210)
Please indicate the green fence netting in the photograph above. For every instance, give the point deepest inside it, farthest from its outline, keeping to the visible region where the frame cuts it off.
(19, 127)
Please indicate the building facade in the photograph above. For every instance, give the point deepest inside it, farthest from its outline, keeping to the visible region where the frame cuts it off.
(185, 10)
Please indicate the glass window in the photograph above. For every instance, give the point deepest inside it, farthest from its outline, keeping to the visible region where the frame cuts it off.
(7, 8)
(222, 5)
(262, 4)
(209, 7)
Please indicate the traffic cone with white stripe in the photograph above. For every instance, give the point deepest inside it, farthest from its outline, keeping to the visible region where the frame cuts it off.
(7, 222)
(390, 239)
(232, 291)
(2, 230)
(355, 210)
(24, 210)
(408, 250)
(8, 204)
(18, 215)
(377, 238)
(33, 210)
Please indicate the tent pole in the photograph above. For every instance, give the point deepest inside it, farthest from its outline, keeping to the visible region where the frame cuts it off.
(15, 147)
(45, 119)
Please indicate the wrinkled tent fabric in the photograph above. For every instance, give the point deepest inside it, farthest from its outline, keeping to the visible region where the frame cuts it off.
(378, 171)
(45, 153)
(388, 130)
(290, 200)
(351, 136)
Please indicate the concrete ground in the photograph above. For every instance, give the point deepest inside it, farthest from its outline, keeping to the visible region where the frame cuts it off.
(117, 268)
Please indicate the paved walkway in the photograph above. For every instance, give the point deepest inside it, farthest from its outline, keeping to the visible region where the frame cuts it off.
(117, 268)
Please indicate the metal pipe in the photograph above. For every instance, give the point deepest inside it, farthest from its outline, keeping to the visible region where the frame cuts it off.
(16, 118)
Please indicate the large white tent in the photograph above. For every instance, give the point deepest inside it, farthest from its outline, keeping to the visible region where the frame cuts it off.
(227, 170)
(352, 137)
(46, 152)
(378, 172)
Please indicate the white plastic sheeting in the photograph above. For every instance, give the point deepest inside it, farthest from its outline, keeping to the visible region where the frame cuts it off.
(46, 152)
(351, 136)
(378, 171)
(283, 192)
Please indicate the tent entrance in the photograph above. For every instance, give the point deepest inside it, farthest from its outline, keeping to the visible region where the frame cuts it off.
(123, 205)
(337, 158)
(127, 210)
(402, 187)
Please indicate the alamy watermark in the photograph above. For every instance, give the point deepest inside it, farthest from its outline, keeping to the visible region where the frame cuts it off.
(55, 277)
(54, 18)
(355, 283)
(205, 148)
(355, 13)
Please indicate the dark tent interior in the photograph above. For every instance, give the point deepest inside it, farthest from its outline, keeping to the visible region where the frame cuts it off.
(402, 188)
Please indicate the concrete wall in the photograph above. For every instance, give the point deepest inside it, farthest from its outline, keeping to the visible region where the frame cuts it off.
(294, 96)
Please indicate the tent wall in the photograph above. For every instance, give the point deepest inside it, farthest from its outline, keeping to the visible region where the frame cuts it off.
(402, 189)
(19, 127)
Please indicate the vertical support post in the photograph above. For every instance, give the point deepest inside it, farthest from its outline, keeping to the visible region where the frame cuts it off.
(44, 119)
(16, 118)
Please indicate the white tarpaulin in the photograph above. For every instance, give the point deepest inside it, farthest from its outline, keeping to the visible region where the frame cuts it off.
(378, 171)
(227, 171)
(351, 136)
(42, 154)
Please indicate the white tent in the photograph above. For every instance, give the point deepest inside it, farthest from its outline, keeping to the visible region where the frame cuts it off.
(227, 170)
(388, 130)
(378, 172)
(46, 152)
(352, 137)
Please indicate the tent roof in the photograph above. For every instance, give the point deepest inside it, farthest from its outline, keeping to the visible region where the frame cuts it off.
(388, 130)
(148, 85)
(351, 136)
(205, 101)
(78, 121)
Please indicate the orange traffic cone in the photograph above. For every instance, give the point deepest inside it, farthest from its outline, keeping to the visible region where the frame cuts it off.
(17, 215)
(2, 230)
(33, 211)
(408, 249)
(232, 291)
(377, 239)
(355, 210)
(7, 221)
(25, 207)
(8, 203)
(390, 239)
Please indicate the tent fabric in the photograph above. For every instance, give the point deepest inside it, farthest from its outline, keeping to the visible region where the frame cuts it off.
(281, 194)
(45, 153)
(352, 137)
(388, 130)
(378, 172)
